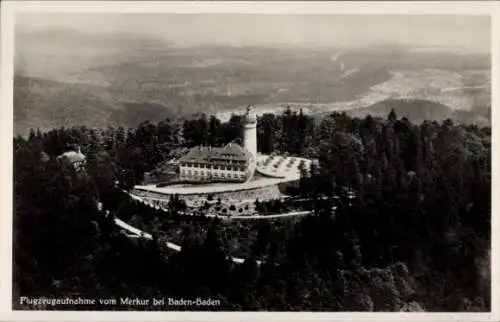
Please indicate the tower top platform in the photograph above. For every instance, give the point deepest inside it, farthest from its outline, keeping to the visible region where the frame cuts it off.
(250, 116)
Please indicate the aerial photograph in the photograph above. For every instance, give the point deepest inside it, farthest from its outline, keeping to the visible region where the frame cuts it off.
(251, 162)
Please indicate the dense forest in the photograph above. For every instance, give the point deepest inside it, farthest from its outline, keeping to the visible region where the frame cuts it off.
(416, 237)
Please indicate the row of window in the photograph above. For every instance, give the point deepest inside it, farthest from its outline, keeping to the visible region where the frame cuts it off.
(214, 174)
(213, 162)
(215, 167)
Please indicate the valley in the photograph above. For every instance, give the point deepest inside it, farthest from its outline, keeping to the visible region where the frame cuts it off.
(120, 80)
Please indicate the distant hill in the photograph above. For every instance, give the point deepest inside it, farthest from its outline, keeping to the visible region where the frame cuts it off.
(46, 104)
(67, 77)
(417, 110)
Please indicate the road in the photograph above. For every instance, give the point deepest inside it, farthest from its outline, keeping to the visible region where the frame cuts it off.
(288, 214)
(137, 232)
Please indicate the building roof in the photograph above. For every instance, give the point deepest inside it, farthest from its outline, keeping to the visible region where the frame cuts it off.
(73, 156)
(231, 151)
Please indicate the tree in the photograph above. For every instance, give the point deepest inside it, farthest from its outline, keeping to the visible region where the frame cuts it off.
(213, 130)
(392, 116)
(401, 218)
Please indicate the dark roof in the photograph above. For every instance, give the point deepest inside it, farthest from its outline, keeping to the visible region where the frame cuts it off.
(231, 151)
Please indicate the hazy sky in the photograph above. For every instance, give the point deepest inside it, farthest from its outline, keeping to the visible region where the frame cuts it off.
(470, 33)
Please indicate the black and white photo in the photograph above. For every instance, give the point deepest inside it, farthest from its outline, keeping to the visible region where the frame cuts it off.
(243, 162)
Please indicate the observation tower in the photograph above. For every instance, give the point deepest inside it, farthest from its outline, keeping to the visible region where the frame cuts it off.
(250, 132)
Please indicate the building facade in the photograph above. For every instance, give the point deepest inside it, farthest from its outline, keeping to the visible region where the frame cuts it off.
(231, 163)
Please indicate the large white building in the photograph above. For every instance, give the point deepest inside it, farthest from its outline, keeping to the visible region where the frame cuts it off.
(231, 163)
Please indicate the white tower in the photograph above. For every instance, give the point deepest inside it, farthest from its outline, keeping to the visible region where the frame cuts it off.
(250, 132)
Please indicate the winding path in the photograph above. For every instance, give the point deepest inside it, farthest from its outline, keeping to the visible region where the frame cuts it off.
(288, 214)
(138, 233)
(120, 223)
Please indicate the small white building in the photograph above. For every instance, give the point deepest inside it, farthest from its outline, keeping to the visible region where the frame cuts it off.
(75, 157)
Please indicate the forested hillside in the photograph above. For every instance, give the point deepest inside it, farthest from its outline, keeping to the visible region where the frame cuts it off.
(419, 110)
(416, 236)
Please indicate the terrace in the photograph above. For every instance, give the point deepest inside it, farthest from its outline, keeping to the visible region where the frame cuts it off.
(282, 166)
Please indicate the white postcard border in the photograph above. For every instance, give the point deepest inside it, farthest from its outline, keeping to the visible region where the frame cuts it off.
(360, 7)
